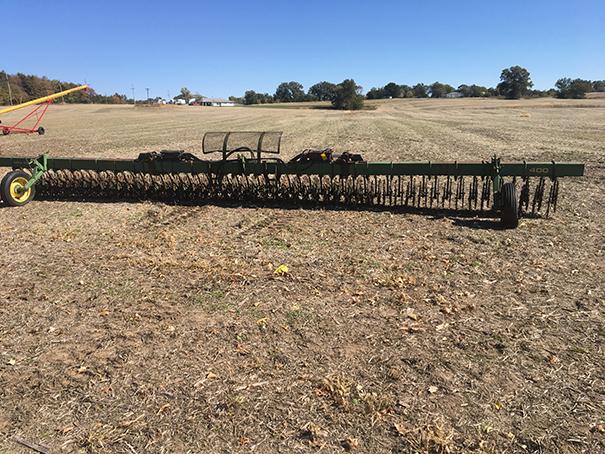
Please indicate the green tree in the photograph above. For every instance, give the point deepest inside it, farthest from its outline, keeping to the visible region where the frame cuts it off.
(562, 86)
(250, 97)
(478, 91)
(473, 91)
(289, 92)
(348, 96)
(598, 85)
(323, 91)
(392, 90)
(375, 93)
(573, 89)
(117, 98)
(465, 90)
(265, 98)
(439, 90)
(406, 91)
(186, 94)
(420, 91)
(536, 93)
(515, 82)
(26, 87)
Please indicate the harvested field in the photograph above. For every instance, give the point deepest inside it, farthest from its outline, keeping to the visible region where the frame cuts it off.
(143, 327)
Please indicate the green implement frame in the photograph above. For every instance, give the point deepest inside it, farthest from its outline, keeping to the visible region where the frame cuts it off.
(330, 181)
(491, 168)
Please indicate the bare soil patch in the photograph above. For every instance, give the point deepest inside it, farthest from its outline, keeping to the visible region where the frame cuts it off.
(141, 327)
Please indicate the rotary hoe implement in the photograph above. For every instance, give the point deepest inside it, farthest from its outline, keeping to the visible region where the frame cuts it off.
(250, 171)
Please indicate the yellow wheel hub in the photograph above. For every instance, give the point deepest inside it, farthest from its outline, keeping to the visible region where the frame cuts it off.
(17, 191)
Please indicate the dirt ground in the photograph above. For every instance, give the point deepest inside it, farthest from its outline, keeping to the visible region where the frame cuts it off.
(144, 327)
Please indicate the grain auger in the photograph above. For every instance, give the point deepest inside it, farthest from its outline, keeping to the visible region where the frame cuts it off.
(250, 171)
(34, 117)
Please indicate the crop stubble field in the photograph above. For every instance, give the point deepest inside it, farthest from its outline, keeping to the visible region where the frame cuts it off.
(146, 327)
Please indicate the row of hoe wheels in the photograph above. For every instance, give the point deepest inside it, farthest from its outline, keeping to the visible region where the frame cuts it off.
(14, 193)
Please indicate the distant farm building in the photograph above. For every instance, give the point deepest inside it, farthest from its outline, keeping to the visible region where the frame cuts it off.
(454, 94)
(216, 102)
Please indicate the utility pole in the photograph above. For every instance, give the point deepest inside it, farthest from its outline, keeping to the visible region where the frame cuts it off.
(133, 100)
(61, 89)
(147, 94)
(10, 93)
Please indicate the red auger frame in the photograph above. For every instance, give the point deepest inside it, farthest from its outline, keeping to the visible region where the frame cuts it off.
(41, 106)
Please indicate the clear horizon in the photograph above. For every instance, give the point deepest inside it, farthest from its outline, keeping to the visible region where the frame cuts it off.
(219, 50)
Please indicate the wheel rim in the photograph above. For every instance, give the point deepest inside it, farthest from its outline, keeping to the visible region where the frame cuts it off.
(15, 192)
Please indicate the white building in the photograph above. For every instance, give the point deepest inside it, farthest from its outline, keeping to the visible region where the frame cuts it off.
(454, 94)
(216, 102)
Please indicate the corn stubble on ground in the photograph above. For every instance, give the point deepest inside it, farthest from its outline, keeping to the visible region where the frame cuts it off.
(142, 327)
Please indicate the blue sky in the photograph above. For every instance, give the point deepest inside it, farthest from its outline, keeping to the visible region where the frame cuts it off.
(222, 48)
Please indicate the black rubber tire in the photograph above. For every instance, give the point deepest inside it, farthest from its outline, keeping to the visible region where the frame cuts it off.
(5, 191)
(509, 214)
(41, 131)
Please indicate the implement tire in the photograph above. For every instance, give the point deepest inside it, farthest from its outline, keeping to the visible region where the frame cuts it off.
(9, 188)
(509, 216)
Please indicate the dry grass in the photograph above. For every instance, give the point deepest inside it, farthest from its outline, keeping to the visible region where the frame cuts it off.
(156, 328)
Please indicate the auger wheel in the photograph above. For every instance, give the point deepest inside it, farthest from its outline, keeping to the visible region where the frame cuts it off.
(509, 212)
(12, 188)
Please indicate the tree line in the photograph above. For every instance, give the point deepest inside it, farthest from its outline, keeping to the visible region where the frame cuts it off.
(515, 82)
(19, 88)
(434, 90)
(345, 95)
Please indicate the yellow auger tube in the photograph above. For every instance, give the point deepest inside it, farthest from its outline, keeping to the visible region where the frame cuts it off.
(43, 99)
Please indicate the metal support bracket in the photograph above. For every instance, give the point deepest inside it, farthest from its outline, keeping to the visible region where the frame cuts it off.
(38, 168)
(496, 181)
